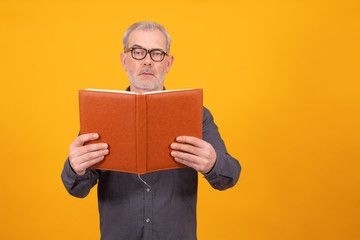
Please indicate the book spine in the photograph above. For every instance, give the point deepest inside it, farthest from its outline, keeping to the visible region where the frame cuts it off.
(141, 133)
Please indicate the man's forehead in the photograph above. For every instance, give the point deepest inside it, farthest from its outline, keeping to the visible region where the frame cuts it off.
(147, 39)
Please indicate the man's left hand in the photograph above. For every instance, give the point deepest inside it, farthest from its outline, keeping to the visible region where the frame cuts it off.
(194, 152)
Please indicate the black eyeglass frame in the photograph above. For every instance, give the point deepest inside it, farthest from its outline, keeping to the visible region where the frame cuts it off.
(146, 53)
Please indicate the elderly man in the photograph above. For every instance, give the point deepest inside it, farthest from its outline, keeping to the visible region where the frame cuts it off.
(156, 205)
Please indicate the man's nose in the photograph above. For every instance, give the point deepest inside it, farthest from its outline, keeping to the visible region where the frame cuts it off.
(147, 60)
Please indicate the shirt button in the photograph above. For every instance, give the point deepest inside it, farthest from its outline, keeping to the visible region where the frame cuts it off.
(147, 220)
(148, 189)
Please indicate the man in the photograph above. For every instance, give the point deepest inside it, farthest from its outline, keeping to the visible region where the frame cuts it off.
(157, 205)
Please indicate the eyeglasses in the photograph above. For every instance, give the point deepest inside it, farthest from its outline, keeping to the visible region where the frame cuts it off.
(157, 55)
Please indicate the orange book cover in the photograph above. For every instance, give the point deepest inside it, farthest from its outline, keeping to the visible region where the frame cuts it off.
(139, 128)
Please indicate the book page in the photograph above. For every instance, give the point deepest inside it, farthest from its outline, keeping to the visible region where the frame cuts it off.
(114, 91)
(151, 92)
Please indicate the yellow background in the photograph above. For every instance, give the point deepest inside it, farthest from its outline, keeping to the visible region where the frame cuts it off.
(280, 77)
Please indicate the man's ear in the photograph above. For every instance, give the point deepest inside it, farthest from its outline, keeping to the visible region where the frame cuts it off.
(123, 60)
(169, 63)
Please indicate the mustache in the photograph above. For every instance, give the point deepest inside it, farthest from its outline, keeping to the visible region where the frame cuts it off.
(147, 70)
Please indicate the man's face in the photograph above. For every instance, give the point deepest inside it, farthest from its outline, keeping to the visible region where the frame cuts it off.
(146, 75)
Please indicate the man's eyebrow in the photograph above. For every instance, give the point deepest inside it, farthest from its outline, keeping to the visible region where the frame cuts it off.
(137, 46)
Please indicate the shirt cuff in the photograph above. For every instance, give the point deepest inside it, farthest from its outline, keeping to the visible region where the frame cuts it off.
(215, 171)
(72, 174)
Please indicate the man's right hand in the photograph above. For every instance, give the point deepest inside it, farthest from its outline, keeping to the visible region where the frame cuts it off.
(82, 157)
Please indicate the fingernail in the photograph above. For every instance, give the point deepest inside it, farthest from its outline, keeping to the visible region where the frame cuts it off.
(106, 151)
(105, 145)
(172, 153)
(96, 135)
(173, 145)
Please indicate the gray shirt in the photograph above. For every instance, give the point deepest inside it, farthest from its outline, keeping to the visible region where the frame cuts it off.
(166, 209)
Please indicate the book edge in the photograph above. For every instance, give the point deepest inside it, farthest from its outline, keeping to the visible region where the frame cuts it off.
(128, 92)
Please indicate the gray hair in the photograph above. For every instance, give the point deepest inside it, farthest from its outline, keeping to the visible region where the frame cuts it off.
(150, 26)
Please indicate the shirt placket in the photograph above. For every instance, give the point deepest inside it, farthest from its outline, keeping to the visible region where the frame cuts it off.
(148, 217)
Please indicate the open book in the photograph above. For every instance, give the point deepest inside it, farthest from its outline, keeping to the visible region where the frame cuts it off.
(139, 128)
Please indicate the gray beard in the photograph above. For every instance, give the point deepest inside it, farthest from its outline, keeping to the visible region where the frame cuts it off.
(151, 87)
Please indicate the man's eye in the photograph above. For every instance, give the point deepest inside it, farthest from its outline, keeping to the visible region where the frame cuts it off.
(157, 53)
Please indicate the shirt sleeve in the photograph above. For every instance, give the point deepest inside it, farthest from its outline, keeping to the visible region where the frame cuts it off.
(78, 185)
(226, 170)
